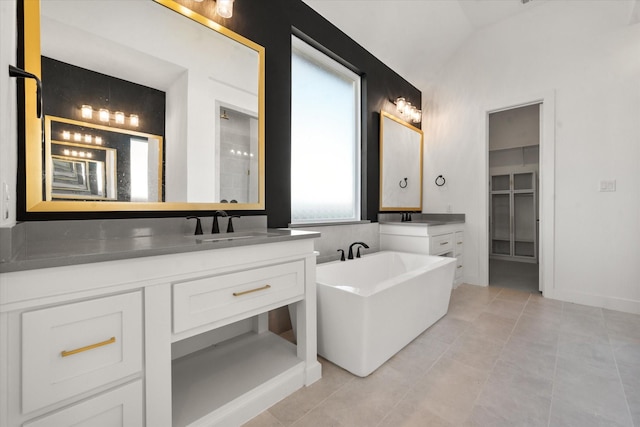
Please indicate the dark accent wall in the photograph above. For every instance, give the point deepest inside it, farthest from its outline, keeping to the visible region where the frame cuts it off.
(67, 87)
(270, 24)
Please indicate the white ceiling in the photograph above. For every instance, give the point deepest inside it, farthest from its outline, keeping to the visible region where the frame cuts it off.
(416, 37)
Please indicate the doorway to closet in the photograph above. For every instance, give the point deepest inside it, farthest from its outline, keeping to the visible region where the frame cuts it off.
(514, 163)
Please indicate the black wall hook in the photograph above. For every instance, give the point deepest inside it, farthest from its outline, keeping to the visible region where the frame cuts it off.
(405, 183)
(440, 181)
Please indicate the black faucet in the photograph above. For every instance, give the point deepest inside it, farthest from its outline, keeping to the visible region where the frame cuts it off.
(364, 245)
(198, 224)
(342, 255)
(215, 228)
(230, 223)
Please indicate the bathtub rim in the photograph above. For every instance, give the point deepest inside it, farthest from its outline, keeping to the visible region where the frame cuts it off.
(387, 283)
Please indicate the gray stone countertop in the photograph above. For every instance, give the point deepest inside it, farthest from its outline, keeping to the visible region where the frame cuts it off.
(57, 253)
(421, 219)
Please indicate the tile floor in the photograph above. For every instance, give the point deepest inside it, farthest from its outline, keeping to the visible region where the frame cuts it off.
(513, 275)
(500, 357)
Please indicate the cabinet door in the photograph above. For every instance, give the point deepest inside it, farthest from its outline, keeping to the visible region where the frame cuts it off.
(501, 224)
(524, 224)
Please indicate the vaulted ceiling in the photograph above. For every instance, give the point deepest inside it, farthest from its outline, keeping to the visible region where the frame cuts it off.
(416, 37)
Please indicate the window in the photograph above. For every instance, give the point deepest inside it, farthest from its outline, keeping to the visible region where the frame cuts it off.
(325, 138)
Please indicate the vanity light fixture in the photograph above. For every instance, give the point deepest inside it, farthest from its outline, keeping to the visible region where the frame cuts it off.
(78, 137)
(74, 153)
(104, 115)
(408, 111)
(86, 111)
(224, 8)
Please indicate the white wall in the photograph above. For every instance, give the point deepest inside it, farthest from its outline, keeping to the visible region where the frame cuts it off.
(586, 53)
(8, 130)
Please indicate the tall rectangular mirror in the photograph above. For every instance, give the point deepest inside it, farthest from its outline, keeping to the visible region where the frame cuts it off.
(400, 165)
(168, 104)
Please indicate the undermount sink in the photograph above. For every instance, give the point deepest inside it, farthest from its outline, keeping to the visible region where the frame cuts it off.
(226, 237)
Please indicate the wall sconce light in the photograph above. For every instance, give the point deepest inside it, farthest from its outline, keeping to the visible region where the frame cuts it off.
(119, 115)
(408, 111)
(133, 120)
(224, 8)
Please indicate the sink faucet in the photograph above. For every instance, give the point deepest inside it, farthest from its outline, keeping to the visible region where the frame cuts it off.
(230, 223)
(198, 224)
(364, 245)
(215, 228)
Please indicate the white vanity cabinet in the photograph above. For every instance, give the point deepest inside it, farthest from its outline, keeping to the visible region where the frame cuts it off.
(169, 340)
(421, 237)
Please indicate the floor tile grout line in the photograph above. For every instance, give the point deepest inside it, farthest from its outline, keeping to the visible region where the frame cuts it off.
(323, 400)
(473, 405)
(624, 391)
(425, 373)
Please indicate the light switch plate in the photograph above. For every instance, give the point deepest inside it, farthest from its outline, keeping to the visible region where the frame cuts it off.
(608, 185)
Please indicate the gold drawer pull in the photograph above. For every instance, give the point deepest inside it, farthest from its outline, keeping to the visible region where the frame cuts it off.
(65, 353)
(262, 288)
(459, 243)
(444, 243)
(459, 266)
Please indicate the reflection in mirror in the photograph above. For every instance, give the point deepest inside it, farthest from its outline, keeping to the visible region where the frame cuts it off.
(118, 165)
(156, 75)
(400, 165)
(238, 147)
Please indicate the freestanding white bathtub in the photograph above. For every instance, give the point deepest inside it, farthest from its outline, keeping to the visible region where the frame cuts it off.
(370, 308)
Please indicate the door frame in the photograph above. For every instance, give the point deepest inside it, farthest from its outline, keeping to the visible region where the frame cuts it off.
(546, 266)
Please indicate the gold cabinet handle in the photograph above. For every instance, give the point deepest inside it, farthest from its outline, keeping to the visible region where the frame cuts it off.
(459, 243)
(65, 353)
(444, 243)
(459, 266)
(262, 288)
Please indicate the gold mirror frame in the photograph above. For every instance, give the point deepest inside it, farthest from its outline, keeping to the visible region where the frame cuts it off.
(34, 141)
(412, 140)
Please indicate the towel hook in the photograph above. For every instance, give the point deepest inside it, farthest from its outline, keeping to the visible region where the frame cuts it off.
(405, 183)
(440, 181)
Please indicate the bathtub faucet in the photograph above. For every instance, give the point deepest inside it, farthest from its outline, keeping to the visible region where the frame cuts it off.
(364, 245)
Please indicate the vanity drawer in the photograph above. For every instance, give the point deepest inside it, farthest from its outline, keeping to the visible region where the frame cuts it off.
(441, 244)
(210, 299)
(121, 407)
(459, 242)
(74, 348)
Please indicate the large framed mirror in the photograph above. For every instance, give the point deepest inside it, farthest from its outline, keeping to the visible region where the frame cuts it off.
(147, 106)
(401, 146)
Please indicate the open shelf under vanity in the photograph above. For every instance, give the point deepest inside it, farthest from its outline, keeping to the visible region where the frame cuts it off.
(229, 376)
